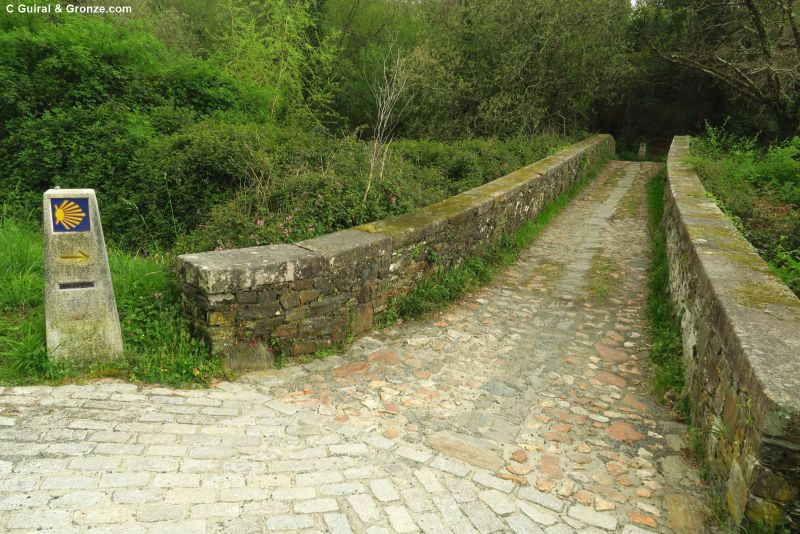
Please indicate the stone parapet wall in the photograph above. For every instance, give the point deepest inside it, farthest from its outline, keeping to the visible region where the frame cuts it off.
(298, 298)
(741, 343)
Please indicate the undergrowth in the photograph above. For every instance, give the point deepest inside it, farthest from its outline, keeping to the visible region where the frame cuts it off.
(666, 350)
(158, 346)
(451, 284)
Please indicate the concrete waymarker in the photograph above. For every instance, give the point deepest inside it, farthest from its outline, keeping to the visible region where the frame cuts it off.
(80, 310)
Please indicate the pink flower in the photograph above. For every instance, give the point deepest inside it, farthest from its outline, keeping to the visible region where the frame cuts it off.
(259, 222)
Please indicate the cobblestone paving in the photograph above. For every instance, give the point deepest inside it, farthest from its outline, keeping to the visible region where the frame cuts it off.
(524, 409)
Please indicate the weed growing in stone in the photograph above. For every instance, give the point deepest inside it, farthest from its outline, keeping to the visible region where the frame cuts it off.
(666, 350)
(600, 278)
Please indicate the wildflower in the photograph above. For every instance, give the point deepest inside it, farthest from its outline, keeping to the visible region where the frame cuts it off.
(259, 222)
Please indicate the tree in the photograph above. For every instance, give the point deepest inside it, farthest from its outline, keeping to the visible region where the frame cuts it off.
(751, 47)
(389, 88)
(506, 67)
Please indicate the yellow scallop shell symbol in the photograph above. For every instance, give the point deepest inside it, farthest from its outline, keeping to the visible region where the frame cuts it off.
(69, 215)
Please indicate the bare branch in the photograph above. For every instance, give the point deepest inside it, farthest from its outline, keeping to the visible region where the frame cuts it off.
(389, 87)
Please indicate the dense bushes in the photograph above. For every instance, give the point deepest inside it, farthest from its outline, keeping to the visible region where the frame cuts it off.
(285, 195)
(181, 151)
(759, 188)
(507, 67)
(91, 104)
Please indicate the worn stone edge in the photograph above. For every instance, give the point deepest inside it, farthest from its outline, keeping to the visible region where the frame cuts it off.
(414, 226)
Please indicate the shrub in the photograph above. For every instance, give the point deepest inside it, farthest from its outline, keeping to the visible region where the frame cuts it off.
(285, 195)
(86, 103)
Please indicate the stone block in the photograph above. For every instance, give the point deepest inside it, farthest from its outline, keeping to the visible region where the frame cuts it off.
(289, 330)
(408, 228)
(259, 311)
(247, 297)
(289, 300)
(363, 320)
(308, 295)
(229, 271)
(222, 317)
(346, 248)
(248, 355)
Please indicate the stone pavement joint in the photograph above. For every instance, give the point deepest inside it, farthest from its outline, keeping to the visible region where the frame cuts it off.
(523, 408)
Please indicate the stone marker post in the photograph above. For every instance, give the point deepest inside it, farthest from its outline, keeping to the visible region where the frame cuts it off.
(80, 310)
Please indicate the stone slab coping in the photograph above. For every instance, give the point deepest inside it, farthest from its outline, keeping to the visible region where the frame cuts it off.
(227, 271)
(759, 315)
(346, 247)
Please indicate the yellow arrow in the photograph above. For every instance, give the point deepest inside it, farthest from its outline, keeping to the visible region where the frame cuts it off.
(80, 256)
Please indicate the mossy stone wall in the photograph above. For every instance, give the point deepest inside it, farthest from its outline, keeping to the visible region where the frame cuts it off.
(741, 342)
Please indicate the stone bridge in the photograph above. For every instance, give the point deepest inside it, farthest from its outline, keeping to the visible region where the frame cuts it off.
(524, 408)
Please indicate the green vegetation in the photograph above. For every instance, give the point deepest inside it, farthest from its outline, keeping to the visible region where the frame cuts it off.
(759, 189)
(217, 124)
(275, 207)
(202, 151)
(450, 284)
(666, 350)
(158, 347)
(601, 277)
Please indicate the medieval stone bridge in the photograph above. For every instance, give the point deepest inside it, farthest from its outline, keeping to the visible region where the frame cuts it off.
(525, 408)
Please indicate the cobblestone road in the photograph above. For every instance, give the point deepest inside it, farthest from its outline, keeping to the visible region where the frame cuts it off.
(525, 408)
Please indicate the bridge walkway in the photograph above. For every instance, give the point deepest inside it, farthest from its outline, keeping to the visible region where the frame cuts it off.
(525, 408)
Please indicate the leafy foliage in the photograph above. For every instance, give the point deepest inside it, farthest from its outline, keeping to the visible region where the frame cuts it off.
(90, 104)
(749, 48)
(290, 197)
(507, 67)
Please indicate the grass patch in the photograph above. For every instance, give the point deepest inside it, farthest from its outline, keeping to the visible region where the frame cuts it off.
(666, 350)
(549, 271)
(158, 347)
(601, 279)
(450, 285)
